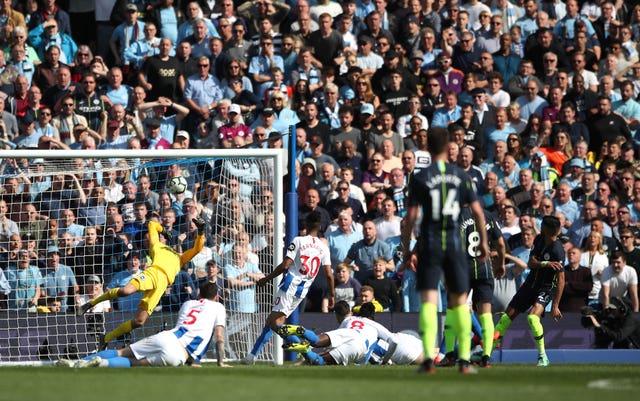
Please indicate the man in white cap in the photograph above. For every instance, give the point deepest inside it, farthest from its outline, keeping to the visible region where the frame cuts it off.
(234, 128)
(182, 140)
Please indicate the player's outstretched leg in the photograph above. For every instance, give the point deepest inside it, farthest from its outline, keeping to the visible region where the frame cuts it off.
(288, 330)
(107, 296)
(305, 350)
(262, 339)
(94, 362)
(500, 329)
(538, 336)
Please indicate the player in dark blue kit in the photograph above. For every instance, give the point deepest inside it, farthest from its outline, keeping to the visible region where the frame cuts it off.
(481, 276)
(546, 278)
(439, 192)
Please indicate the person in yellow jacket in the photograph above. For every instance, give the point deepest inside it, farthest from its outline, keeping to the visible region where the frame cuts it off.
(153, 281)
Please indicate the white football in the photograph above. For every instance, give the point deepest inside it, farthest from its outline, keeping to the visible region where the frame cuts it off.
(177, 185)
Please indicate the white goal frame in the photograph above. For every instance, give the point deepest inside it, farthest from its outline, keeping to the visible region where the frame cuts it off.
(277, 155)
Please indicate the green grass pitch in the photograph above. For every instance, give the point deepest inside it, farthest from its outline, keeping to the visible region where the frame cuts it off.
(310, 383)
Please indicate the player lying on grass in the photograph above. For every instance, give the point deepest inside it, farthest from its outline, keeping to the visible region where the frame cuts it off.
(153, 281)
(408, 350)
(197, 321)
(351, 342)
(306, 255)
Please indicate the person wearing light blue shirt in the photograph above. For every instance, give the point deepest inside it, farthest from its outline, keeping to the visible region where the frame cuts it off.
(563, 203)
(59, 279)
(203, 90)
(260, 66)
(443, 116)
(531, 103)
(242, 277)
(628, 108)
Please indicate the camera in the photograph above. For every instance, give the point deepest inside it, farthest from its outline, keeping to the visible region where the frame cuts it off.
(605, 317)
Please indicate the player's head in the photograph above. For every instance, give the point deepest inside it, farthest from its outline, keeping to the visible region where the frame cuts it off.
(438, 139)
(341, 310)
(367, 310)
(313, 222)
(209, 290)
(550, 225)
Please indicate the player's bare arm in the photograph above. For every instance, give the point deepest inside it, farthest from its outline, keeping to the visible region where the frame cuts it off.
(555, 309)
(281, 268)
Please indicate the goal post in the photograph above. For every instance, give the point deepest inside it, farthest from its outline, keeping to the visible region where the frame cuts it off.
(72, 225)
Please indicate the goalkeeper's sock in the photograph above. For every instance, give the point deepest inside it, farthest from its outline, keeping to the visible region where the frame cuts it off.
(107, 296)
(311, 336)
(486, 320)
(428, 326)
(461, 322)
(538, 332)
(292, 339)
(313, 358)
(106, 354)
(262, 340)
(117, 362)
(121, 330)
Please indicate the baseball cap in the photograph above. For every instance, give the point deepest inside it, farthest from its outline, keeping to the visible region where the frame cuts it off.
(390, 55)
(52, 249)
(531, 142)
(417, 54)
(27, 119)
(131, 7)
(113, 124)
(367, 108)
(477, 91)
(412, 18)
(234, 108)
(308, 160)
(315, 140)
(267, 110)
(577, 163)
(153, 123)
(94, 279)
(182, 134)
(444, 54)
(274, 136)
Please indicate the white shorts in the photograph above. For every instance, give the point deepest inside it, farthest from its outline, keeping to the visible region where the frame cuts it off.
(408, 349)
(285, 303)
(347, 346)
(162, 349)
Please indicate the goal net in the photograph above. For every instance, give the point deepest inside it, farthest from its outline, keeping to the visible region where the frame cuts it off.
(73, 224)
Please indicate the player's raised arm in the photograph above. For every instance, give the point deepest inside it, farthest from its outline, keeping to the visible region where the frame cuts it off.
(198, 244)
(154, 232)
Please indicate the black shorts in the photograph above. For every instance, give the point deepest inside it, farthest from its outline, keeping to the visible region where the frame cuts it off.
(482, 290)
(481, 282)
(434, 258)
(526, 297)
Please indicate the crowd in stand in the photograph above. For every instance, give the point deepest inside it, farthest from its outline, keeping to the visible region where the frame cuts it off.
(540, 98)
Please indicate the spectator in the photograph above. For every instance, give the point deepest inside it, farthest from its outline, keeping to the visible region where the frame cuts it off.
(59, 280)
(25, 281)
(619, 280)
(578, 283)
(364, 252)
(346, 287)
(384, 289)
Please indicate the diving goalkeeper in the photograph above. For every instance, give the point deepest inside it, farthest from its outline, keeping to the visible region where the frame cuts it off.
(153, 281)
